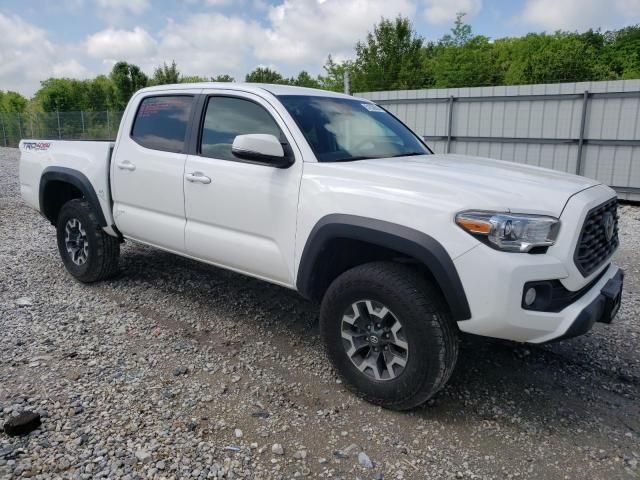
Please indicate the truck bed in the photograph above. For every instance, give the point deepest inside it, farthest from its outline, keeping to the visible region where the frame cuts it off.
(87, 160)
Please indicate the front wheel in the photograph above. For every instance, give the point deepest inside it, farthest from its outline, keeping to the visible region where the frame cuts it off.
(87, 251)
(388, 333)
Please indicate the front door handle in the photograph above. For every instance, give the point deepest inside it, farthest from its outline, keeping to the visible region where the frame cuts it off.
(126, 165)
(197, 177)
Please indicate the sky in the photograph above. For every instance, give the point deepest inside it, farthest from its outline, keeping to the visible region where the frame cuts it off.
(83, 38)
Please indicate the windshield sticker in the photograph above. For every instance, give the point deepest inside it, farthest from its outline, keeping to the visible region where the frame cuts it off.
(372, 107)
(38, 146)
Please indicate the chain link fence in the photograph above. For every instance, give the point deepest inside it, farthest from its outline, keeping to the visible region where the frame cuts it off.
(58, 126)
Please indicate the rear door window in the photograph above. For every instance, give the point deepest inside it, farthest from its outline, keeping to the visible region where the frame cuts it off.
(161, 122)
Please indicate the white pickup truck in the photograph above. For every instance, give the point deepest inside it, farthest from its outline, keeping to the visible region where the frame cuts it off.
(334, 197)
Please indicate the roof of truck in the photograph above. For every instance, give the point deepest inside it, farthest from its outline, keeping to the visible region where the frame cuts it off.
(250, 87)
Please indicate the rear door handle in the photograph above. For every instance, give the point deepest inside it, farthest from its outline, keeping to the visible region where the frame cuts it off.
(197, 177)
(126, 165)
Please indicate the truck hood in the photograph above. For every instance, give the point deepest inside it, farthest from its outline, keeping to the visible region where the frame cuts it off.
(471, 182)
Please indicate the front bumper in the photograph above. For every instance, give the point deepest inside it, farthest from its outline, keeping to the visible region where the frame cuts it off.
(494, 290)
(602, 309)
(494, 283)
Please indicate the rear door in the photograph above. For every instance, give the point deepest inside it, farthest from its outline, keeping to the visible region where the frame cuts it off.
(147, 170)
(242, 215)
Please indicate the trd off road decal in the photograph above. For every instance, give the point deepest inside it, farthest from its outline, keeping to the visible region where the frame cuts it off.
(37, 146)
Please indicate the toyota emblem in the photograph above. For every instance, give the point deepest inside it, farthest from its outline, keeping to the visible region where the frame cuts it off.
(608, 224)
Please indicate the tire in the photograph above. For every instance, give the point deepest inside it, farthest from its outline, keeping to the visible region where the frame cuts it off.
(87, 251)
(427, 330)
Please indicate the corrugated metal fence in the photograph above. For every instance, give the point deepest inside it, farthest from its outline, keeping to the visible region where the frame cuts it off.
(589, 128)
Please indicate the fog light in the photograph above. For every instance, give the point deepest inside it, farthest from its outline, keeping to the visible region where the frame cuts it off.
(530, 296)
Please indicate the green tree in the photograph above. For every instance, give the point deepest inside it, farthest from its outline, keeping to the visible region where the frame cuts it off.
(471, 64)
(223, 78)
(305, 80)
(391, 57)
(543, 58)
(12, 102)
(461, 32)
(462, 59)
(62, 95)
(101, 94)
(127, 79)
(621, 52)
(265, 75)
(199, 79)
(193, 79)
(334, 74)
(165, 74)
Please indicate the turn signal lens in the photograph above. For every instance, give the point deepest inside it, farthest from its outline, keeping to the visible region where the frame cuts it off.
(512, 232)
(473, 225)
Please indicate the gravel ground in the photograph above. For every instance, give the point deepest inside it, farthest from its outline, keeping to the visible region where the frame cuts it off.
(180, 370)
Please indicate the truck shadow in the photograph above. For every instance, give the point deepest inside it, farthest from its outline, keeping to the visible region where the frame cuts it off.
(496, 384)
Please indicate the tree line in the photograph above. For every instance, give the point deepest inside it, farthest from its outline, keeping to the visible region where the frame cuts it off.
(392, 56)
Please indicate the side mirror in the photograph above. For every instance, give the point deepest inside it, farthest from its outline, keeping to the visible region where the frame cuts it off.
(259, 147)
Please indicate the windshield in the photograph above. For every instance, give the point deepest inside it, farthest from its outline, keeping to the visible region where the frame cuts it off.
(344, 129)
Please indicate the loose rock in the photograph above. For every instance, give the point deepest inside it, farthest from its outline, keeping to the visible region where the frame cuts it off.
(24, 302)
(22, 424)
(364, 460)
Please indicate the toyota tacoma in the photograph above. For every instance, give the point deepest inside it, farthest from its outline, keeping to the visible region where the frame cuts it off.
(335, 197)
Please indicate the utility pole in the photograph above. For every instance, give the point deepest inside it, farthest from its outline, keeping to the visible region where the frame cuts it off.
(347, 87)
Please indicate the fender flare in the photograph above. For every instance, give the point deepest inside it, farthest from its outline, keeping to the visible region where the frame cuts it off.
(78, 180)
(408, 241)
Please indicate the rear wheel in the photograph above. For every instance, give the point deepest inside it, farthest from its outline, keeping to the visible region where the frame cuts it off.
(389, 334)
(88, 253)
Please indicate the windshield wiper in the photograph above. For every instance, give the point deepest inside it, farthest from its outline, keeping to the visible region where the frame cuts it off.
(349, 159)
(367, 157)
(408, 154)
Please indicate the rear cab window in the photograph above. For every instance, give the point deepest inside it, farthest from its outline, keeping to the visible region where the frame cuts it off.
(161, 122)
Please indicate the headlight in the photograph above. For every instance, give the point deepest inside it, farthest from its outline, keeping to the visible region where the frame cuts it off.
(512, 232)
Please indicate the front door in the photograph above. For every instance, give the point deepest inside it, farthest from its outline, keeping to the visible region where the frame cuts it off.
(241, 215)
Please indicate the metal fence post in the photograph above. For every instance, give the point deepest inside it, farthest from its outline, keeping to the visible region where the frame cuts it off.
(450, 124)
(19, 126)
(59, 130)
(4, 132)
(583, 121)
(108, 127)
(82, 120)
